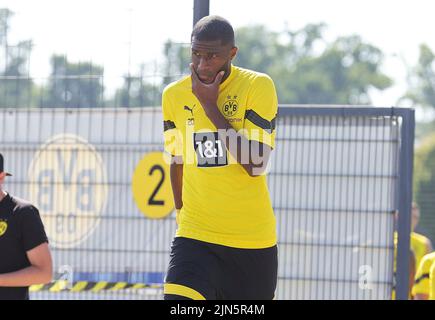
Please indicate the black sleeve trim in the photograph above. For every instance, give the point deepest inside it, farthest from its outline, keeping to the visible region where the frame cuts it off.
(256, 119)
(168, 124)
(424, 276)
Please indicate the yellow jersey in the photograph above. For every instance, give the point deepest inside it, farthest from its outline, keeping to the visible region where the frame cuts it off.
(432, 282)
(421, 285)
(420, 245)
(222, 204)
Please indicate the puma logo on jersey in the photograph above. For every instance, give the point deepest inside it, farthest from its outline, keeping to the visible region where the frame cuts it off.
(189, 109)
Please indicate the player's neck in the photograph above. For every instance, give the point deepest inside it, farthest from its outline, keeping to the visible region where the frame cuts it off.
(227, 74)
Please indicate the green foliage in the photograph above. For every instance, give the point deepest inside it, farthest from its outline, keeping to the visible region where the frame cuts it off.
(78, 85)
(424, 184)
(307, 70)
(177, 60)
(136, 92)
(421, 90)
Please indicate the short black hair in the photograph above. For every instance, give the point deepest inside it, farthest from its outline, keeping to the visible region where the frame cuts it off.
(211, 28)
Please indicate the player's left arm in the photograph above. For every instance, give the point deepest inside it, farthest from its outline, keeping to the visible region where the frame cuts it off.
(252, 155)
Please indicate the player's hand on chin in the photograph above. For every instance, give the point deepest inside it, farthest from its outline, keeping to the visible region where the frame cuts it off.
(207, 94)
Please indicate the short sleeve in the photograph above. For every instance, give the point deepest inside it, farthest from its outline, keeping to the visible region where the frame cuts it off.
(32, 229)
(261, 111)
(173, 141)
(432, 282)
(421, 284)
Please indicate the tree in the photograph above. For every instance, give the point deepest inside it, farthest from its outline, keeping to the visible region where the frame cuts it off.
(177, 59)
(16, 87)
(424, 184)
(136, 92)
(307, 70)
(78, 85)
(422, 80)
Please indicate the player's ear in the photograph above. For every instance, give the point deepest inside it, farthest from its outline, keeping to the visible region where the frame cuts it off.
(233, 52)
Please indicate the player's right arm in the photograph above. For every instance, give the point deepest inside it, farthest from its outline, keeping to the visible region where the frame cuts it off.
(173, 146)
(176, 174)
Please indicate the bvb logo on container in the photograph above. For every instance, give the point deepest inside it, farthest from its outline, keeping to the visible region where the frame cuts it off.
(68, 183)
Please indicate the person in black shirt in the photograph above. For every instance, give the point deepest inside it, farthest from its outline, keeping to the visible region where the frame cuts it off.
(25, 257)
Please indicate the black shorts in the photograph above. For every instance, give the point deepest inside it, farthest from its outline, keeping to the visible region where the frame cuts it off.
(202, 270)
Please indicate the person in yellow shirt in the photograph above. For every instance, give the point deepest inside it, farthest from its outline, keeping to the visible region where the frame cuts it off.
(219, 130)
(432, 282)
(420, 244)
(421, 288)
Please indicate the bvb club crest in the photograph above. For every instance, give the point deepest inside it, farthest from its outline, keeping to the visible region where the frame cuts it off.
(230, 107)
(3, 227)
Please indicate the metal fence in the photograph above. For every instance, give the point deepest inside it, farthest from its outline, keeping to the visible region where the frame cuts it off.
(338, 176)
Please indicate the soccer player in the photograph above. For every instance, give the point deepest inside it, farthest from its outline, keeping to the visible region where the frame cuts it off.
(25, 256)
(219, 128)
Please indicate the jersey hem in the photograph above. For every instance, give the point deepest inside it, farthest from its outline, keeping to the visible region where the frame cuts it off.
(240, 244)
